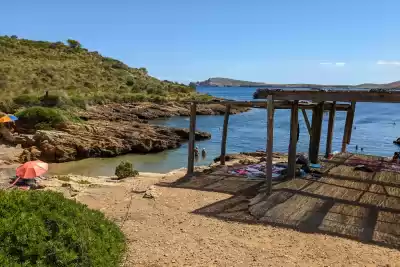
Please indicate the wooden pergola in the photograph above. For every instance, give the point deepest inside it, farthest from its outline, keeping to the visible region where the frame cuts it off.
(317, 101)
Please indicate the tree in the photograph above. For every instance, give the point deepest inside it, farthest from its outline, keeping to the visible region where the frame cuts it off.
(74, 43)
(143, 70)
(192, 85)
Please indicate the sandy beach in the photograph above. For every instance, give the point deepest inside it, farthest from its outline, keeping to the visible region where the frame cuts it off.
(163, 229)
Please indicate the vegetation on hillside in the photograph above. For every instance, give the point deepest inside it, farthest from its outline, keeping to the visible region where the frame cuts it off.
(44, 118)
(42, 228)
(74, 76)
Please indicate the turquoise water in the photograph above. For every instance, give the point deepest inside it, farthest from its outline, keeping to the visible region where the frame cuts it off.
(375, 132)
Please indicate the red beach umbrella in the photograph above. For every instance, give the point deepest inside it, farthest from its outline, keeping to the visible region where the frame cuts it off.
(32, 169)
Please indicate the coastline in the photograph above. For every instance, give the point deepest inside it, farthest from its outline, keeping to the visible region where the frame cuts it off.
(111, 130)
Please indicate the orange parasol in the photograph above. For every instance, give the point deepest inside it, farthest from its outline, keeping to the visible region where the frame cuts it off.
(32, 169)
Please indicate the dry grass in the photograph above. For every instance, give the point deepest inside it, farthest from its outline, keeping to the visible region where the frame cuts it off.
(75, 75)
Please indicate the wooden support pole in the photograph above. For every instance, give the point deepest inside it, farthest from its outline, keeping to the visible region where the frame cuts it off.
(346, 130)
(317, 117)
(306, 120)
(225, 134)
(350, 129)
(329, 135)
(294, 122)
(270, 140)
(192, 132)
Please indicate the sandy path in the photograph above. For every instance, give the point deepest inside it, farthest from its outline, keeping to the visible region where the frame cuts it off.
(164, 232)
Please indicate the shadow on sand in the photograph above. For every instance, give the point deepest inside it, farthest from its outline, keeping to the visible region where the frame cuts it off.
(358, 205)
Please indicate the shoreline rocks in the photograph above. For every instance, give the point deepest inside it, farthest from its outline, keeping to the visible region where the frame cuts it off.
(112, 130)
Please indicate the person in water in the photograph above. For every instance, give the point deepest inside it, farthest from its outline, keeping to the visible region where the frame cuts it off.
(203, 153)
(196, 151)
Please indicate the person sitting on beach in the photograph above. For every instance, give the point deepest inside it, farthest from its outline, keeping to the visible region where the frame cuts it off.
(203, 153)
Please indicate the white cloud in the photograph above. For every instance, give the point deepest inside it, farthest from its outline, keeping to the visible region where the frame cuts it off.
(384, 62)
(338, 64)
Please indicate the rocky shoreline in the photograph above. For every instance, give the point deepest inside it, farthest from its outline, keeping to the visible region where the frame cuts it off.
(110, 130)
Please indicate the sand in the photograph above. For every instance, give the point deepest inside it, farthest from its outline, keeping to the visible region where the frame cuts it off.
(165, 231)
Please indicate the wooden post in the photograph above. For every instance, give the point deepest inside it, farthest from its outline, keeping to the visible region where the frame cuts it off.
(270, 140)
(329, 135)
(317, 117)
(306, 120)
(350, 129)
(192, 132)
(346, 130)
(294, 121)
(225, 134)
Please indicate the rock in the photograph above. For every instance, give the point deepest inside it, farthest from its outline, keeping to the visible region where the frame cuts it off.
(105, 139)
(150, 193)
(29, 154)
(24, 140)
(114, 129)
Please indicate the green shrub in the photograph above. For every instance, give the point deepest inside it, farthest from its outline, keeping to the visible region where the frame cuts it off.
(44, 117)
(74, 44)
(42, 228)
(125, 169)
(26, 100)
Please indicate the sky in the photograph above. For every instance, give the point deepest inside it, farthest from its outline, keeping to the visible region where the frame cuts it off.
(276, 41)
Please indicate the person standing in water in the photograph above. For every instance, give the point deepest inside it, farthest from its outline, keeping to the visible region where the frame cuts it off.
(203, 153)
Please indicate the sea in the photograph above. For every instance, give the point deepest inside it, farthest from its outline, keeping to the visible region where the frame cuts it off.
(376, 125)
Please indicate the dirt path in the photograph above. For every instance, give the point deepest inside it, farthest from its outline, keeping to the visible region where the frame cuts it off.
(164, 232)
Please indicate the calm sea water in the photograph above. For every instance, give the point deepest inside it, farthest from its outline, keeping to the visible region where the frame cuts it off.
(376, 128)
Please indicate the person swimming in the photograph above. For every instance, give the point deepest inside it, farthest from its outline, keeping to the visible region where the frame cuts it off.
(203, 152)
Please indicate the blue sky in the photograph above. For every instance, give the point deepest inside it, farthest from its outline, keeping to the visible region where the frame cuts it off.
(280, 41)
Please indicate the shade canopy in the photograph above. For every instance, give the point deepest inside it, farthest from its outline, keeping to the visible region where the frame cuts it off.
(8, 118)
(32, 169)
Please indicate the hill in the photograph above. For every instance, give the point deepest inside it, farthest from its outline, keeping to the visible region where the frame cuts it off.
(75, 75)
(226, 82)
(392, 85)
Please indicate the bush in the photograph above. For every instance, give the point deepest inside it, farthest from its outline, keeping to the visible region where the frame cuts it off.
(43, 117)
(26, 100)
(74, 44)
(125, 169)
(42, 228)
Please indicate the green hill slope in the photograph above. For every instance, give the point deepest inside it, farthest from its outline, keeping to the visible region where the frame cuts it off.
(74, 75)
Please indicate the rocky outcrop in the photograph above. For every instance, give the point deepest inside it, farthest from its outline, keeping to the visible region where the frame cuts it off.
(103, 139)
(111, 130)
(149, 111)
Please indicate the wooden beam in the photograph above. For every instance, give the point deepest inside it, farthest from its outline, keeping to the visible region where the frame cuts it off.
(329, 135)
(350, 129)
(283, 104)
(307, 121)
(224, 134)
(192, 132)
(294, 123)
(270, 141)
(317, 117)
(333, 95)
(346, 131)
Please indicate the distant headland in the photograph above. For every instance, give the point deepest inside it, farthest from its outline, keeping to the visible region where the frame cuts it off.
(226, 82)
